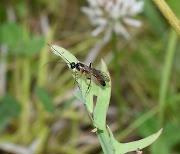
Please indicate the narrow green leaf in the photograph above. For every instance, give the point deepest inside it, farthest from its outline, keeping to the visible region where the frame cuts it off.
(106, 144)
(83, 82)
(64, 54)
(166, 74)
(103, 99)
(79, 96)
(121, 148)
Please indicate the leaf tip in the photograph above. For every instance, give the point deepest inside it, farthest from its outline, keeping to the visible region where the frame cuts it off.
(159, 132)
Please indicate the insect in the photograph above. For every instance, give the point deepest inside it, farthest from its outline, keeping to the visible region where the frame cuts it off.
(87, 71)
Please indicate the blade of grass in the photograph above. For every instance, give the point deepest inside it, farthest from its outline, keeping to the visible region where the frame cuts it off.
(25, 113)
(169, 15)
(166, 72)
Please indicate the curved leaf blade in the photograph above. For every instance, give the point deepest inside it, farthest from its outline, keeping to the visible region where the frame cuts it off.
(121, 148)
(103, 99)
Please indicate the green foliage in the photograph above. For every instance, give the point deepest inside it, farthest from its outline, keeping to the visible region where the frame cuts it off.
(33, 45)
(98, 116)
(133, 146)
(9, 110)
(169, 58)
(19, 40)
(154, 18)
(45, 99)
(141, 63)
(162, 145)
(11, 34)
(174, 6)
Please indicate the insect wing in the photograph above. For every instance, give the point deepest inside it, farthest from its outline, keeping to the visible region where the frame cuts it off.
(99, 74)
(105, 76)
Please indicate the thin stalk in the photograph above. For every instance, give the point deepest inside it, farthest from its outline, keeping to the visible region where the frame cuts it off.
(16, 78)
(105, 141)
(42, 75)
(137, 123)
(42, 78)
(44, 56)
(102, 136)
(166, 74)
(169, 15)
(3, 68)
(25, 91)
(43, 133)
(117, 72)
(16, 90)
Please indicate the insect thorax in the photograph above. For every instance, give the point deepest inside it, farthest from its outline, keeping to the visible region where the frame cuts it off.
(73, 65)
(79, 66)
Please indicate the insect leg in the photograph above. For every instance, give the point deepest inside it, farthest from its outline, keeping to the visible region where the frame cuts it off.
(90, 65)
(76, 78)
(89, 78)
(89, 85)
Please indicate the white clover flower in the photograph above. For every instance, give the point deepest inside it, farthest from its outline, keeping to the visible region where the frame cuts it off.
(113, 16)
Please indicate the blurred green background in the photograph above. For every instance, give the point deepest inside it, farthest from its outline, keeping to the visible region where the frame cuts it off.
(38, 111)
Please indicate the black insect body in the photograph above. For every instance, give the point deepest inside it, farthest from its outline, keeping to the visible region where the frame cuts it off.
(100, 76)
(87, 71)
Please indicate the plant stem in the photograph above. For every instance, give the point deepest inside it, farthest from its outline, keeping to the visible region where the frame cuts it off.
(25, 91)
(40, 123)
(169, 15)
(3, 68)
(117, 72)
(166, 74)
(44, 56)
(42, 75)
(105, 141)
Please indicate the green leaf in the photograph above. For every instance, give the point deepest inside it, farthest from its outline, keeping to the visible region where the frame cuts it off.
(64, 54)
(9, 109)
(98, 112)
(46, 99)
(121, 148)
(19, 40)
(69, 58)
(103, 99)
(79, 96)
(33, 46)
(10, 34)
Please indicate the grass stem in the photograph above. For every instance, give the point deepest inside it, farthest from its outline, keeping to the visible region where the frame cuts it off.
(117, 73)
(25, 91)
(166, 72)
(169, 15)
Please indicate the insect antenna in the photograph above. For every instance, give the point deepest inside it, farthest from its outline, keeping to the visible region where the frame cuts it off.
(60, 54)
(53, 62)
